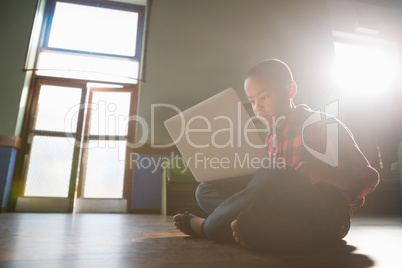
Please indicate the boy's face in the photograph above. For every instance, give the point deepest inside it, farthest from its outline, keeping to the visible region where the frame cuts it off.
(267, 101)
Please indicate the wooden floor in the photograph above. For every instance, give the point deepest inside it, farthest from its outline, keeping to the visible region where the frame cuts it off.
(126, 240)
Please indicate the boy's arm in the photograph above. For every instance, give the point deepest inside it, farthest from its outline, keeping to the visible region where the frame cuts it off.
(353, 174)
(359, 179)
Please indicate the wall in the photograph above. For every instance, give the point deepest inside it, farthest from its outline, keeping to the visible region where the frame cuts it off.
(198, 48)
(16, 20)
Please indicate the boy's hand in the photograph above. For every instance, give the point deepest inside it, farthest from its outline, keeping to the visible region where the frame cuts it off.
(309, 171)
(340, 177)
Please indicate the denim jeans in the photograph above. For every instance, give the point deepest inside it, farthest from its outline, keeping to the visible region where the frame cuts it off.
(279, 191)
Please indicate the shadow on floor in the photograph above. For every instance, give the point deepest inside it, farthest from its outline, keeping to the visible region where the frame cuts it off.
(174, 251)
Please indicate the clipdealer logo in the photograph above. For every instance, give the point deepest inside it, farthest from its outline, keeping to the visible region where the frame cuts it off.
(330, 156)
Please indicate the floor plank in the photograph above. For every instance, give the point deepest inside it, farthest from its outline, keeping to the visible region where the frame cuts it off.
(129, 240)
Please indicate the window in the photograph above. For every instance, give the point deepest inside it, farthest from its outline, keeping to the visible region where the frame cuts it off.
(93, 29)
(91, 40)
(84, 90)
(366, 72)
(370, 68)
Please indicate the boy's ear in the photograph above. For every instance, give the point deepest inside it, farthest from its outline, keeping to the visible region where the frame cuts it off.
(292, 90)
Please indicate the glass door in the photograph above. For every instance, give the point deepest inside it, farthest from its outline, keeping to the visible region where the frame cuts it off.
(103, 167)
(77, 154)
(51, 161)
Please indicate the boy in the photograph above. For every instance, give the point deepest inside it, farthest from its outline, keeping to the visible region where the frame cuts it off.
(307, 203)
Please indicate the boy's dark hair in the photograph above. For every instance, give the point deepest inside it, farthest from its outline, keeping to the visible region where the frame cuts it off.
(273, 69)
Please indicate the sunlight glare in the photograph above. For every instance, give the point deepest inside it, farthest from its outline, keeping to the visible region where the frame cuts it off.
(364, 69)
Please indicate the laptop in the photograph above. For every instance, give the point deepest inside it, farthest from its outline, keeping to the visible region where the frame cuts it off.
(217, 138)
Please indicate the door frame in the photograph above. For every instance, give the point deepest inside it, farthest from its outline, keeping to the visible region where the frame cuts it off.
(65, 204)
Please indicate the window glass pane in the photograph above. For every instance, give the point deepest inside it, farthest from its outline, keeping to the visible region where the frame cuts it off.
(94, 29)
(87, 67)
(109, 113)
(49, 167)
(58, 108)
(364, 69)
(104, 176)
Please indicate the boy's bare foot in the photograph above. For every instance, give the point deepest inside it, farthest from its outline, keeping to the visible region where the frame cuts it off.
(196, 224)
(236, 233)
